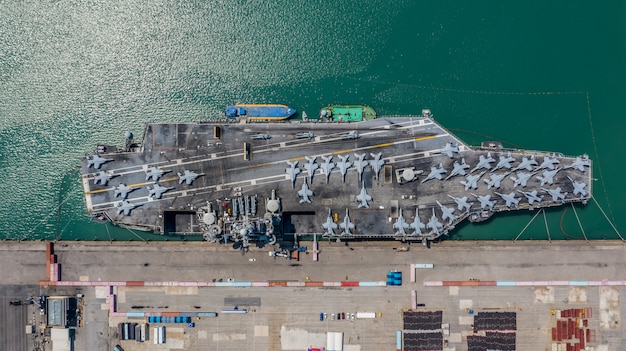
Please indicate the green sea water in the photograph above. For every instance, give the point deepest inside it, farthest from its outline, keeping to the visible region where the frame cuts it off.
(530, 74)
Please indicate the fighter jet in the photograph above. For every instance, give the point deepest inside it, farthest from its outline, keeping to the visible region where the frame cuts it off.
(260, 136)
(548, 176)
(484, 162)
(360, 164)
(311, 167)
(434, 224)
(305, 135)
(188, 177)
(126, 207)
(417, 224)
(304, 193)
(327, 166)
(293, 172)
(580, 163)
(154, 173)
(532, 196)
(526, 163)
(363, 198)
(472, 180)
(510, 199)
(485, 201)
(400, 225)
(157, 191)
(122, 190)
(450, 149)
(350, 136)
(549, 162)
(447, 213)
(522, 178)
(495, 179)
(461, 202)
(377, 163)
(329, 225)
(343, 165)
(435, 172)
(579, 188)
(346, 225)
(459, 169)
(556, 194)
(102, 177)
(505, 161)
(96, 161)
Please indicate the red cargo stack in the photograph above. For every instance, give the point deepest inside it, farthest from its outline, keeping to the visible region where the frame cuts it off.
(49, 250)
(54, 272)
(554, 334)
(582, 339)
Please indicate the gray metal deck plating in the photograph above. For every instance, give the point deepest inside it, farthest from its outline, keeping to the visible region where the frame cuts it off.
(233, 185)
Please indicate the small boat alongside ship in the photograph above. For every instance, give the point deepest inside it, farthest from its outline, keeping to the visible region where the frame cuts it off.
(347, 113)
(260, 112)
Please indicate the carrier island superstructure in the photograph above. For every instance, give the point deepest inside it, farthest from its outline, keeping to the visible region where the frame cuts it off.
(399, 178)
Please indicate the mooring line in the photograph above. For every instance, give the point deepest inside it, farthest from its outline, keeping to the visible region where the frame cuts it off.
(545, 221)
(531, 220)
(607, 218)
(137, 235)
(597, 161)
(579, 224)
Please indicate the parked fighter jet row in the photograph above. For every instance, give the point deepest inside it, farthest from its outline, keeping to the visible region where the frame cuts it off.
(519, 176)
(122, 190)
(501, 168)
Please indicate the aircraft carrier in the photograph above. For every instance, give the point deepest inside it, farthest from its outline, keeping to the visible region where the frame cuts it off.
(400, 178)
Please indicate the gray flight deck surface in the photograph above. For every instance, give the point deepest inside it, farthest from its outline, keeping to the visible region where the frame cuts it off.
(287, 318)
(245, 187)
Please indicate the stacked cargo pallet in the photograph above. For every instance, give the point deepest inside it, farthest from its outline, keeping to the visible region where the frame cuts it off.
(572, 332)
(493, 331)
(423, 331)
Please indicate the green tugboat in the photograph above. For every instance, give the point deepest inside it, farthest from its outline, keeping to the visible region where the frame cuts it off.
(347, 113)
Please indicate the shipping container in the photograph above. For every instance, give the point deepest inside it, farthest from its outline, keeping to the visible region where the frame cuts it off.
(424, 265)
(398, 340)
(131, 331)
(145, 329)
(207, 314)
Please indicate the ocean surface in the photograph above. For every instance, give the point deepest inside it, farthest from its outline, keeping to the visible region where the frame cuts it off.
(530, 74)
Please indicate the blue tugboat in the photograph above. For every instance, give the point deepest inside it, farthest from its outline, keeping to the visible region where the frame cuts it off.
(260, 112)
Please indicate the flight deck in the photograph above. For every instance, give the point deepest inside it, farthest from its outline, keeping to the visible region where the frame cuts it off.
(402, 177)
